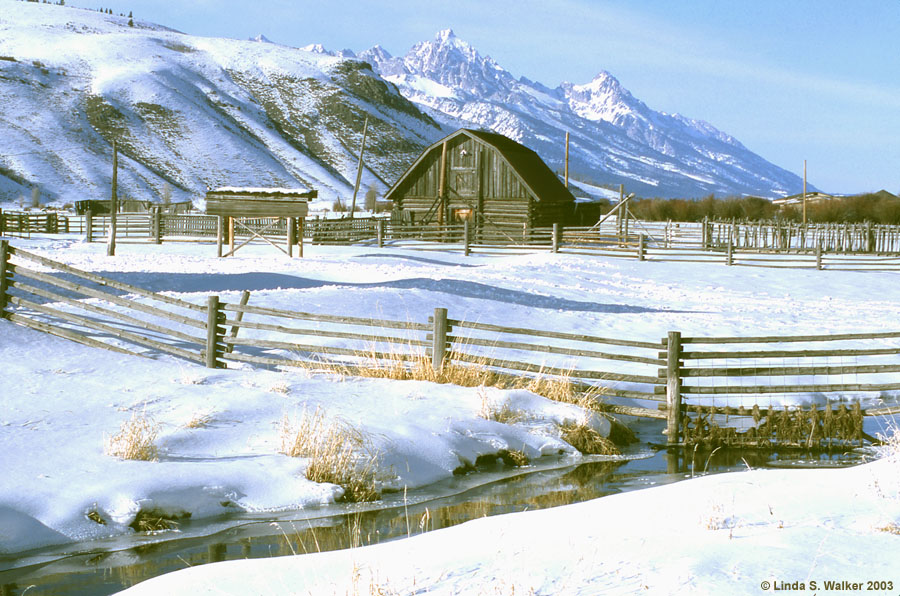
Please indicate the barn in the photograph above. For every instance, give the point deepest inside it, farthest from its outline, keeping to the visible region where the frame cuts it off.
(484, 178)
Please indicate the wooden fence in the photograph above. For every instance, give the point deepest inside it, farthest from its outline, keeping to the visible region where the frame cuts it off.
(25, 223)
(675, 378)
(814, 246)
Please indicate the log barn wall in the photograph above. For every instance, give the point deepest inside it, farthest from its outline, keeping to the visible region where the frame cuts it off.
(487, 179)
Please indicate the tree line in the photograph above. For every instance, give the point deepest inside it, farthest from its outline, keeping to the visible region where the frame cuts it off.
(881, 208)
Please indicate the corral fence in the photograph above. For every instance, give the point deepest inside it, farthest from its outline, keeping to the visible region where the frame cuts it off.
(774, 244)
(724, 395)
(23, 224)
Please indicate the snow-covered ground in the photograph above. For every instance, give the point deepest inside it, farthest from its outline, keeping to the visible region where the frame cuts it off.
(58, 400)
(739, 533)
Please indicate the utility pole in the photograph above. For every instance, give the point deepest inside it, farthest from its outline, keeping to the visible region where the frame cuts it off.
(567, 160)
(804, 192)
(114, 205)
(359, 167)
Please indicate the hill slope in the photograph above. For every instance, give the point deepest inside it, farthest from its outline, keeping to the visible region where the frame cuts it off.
(187, 112)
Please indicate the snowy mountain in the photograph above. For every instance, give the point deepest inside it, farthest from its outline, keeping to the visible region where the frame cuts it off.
(194, 112)
(187, 112)
(615, 138)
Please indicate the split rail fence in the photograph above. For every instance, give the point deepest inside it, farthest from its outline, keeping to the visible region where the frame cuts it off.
(678, 379)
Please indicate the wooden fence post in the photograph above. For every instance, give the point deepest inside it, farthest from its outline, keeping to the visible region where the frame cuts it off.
(642, 240)
(300, 233)
(379, 232)
(214, 332)
(673, 387)
(156, 222)
(88, 226)
(439, 339)
(819, 255)
(466, 238)
(4, 260)
(729, 255)
(220, 233)
(291, 239)
(2, 223)
(238, 317)
(555, 238)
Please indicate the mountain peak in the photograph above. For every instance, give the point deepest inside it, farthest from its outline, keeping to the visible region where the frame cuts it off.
(445, 35)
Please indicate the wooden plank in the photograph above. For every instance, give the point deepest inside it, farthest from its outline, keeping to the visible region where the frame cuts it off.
(724, 389)
(290, 314)
(115, 332)
(237, 324)
(295, 347)
(106, 312)
(474, 341)
(556, 335)
(67, 334)
(787, 371)
(789, 354)
(132, 304)
(553, 371)
(789, 338)
(104, 281)
(632, 411)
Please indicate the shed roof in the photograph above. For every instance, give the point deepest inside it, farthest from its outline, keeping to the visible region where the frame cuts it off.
(534, 173)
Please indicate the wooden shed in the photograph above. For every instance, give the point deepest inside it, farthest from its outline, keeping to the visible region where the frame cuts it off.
(482, 177)
(259, 212)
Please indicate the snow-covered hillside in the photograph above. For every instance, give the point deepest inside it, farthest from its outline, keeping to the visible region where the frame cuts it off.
(615, 137)
(187, 112)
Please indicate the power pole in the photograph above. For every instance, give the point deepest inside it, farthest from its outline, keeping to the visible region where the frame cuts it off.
(114, 205)
(359, 168)
(804, 192)
(567, 160)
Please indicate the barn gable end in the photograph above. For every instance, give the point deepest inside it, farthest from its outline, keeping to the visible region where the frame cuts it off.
(487, 179)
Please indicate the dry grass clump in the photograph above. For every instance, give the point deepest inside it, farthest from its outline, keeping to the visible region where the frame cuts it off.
(891, 528)
(587, 440)
(498, 413)
(414, 367)
(337, 453)
(199, 420)
(136, 439)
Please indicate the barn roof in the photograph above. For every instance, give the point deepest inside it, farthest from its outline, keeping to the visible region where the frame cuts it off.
(534, 173)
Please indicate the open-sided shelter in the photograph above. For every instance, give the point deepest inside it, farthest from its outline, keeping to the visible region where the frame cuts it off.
(482, 177)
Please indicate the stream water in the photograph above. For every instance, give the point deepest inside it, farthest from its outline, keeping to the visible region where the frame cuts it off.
(106, 566)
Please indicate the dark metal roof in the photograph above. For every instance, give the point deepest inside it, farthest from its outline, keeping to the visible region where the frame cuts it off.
(535, 174)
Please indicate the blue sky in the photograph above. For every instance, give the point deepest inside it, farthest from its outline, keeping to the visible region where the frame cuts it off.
(804, 79)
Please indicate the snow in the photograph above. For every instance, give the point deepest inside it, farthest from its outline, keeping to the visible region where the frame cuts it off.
(728, 534)
(59, 400)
